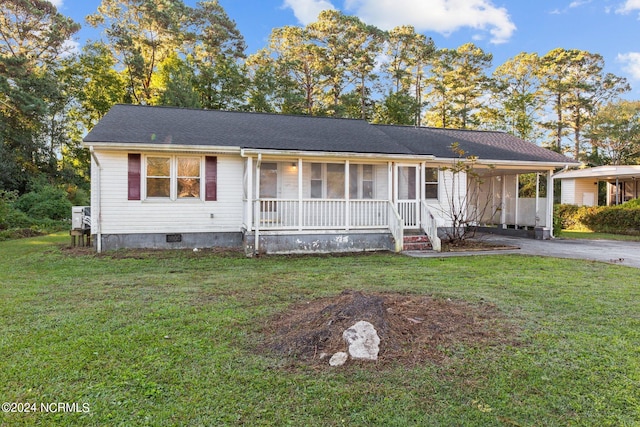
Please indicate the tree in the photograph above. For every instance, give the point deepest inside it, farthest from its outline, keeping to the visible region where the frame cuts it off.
(409, 53)
(33, 38)
(615, 130)
(174, 84)
(465, 208)
(397, 108)
(34, 31)
(348, 50)
(272, 89)
(516, 97)
(458, 82)
(141, 35)
(298, 61)
(214, 48)
(575, 85)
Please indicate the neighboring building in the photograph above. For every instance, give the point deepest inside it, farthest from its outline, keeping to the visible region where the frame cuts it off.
(580, 187)
(176, 178)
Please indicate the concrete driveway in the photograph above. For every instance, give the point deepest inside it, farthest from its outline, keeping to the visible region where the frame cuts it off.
(610, 251)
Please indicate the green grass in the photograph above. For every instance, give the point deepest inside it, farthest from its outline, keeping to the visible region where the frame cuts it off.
(165, 339)
(590, 235)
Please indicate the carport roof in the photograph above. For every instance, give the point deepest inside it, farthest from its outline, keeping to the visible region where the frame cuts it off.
(603, 173)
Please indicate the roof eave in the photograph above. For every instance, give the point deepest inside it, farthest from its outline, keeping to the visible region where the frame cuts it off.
(125, 146)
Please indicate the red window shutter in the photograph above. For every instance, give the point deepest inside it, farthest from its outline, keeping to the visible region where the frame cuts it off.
(135, 166)
(211, 178)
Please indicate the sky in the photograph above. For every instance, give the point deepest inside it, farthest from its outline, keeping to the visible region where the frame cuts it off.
(503, 28)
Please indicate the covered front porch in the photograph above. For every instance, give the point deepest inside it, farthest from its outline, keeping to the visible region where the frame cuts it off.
(322, 204)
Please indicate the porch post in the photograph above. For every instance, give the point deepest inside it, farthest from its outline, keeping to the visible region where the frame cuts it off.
(517, 200)
(421, 195)
(249, 207)
(347, 201)
(550, 197)
(503, 203)
(256, 206)
(537, 198)
(390, 189)
(300, 202)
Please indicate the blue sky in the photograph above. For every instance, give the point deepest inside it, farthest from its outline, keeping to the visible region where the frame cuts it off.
(501, 27)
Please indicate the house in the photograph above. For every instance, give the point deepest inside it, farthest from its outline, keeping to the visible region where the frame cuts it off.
(580, 187)
(182, 178)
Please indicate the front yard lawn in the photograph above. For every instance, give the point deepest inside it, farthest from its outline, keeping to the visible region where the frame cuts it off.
(174, 338)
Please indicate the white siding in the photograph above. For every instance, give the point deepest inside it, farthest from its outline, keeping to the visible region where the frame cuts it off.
(586, 186)
(568, 191)
(122, 216)
(448, 195)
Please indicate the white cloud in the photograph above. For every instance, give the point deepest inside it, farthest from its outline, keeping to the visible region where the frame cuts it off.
(442, 16)
(57, 3)
(630, 63)
(578, 3)
(629, 6)
(306, 11)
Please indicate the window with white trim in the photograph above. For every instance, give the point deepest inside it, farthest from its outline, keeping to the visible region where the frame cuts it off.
(361, 181)
(431, 183)
(327, 180)
(173, 177)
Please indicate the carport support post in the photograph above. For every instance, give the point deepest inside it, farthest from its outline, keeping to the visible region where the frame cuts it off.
(515, 220)
(503, 203)
(537, 198)
(550, 197)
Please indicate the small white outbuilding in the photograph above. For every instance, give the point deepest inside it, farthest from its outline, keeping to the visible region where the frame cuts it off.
(580, 186)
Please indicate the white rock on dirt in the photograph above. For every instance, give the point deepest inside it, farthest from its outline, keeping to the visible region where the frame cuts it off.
(363, 341)
(338, 359)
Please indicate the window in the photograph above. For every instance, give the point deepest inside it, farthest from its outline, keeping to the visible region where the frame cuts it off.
(316, 181)
(188, 177)
(327, 180)
(361, 181)
(158, 176)
(335, 181)
(431, 183)
(173, 177)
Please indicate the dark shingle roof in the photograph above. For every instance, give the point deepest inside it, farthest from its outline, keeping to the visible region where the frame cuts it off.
(483, 144)
(163, 125)
(168, 126)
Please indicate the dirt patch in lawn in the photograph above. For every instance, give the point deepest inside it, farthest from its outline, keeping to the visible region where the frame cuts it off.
(413, 329)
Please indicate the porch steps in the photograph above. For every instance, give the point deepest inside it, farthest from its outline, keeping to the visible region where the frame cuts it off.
(416, 242)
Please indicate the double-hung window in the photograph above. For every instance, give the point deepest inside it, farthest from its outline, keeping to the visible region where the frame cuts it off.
(173, 177)
(431, 183)
(361, 181)
(327, 180)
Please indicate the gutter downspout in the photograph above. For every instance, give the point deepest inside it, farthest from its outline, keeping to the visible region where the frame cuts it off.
(98, 215)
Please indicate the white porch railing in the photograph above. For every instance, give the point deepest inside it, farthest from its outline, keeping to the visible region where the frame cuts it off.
(326, 214)
(408, 210)
(318, 214)
(430, 226)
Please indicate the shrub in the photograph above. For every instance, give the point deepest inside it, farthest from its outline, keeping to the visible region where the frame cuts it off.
(10, 216)
(614, 219)
(565, 216)
(622, 219)
(633, 203)
(45, 202)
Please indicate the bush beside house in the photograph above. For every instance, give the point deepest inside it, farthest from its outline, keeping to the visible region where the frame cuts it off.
(621, 219)
(46, 208)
